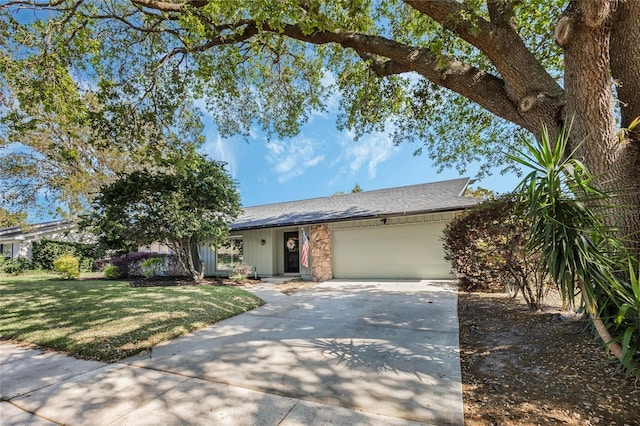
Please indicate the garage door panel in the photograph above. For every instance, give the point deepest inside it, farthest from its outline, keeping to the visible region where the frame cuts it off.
(406, 251)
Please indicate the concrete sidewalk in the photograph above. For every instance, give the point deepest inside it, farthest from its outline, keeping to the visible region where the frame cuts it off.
(352, 353)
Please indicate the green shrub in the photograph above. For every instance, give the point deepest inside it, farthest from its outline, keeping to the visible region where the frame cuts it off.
(237, 277)
(13, 266)
(624, 298)
(112, 272)
(240, 272)
(68, 266)
(487, 250)
(151, 266)
(45, 251)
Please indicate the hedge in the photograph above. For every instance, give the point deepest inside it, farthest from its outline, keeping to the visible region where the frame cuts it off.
(46, 251)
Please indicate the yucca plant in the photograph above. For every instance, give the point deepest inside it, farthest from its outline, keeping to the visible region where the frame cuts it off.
(626, 295)
(576, 245)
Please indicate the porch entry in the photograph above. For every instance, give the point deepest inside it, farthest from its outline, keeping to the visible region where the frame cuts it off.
(291, 253)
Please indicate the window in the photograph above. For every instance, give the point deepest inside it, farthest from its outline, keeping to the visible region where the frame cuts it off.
(229, 254)
(6, 250)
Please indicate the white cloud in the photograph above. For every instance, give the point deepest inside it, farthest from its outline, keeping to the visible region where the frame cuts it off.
(220, 150)
(254, 133)
(291, 159)
(332, 101)
(314, 161)
(370, 150)
(329, 81)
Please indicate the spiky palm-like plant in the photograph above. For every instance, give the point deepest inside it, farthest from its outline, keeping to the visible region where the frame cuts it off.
(580, 250)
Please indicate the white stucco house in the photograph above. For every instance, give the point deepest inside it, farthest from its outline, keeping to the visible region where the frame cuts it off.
(390, 233)
(16, 241)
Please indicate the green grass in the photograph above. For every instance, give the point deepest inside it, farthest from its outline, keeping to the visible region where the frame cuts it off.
(109, 320)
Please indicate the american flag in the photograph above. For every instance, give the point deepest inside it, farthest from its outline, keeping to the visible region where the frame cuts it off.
(304, 255)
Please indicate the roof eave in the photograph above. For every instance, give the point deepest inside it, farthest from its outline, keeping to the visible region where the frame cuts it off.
(342, 219)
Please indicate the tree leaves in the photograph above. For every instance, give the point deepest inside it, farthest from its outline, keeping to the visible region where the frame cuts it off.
(64, 136)
(241, 60)
(185, 200)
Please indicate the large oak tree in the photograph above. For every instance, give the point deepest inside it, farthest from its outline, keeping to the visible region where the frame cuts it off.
(464, 79)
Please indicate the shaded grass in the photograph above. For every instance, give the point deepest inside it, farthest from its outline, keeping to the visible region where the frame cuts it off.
(109, 320)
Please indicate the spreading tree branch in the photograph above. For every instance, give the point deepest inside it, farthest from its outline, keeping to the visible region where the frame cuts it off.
(164, 6)
(528, 85)
(524, 93)
(502, 13)
(471, 82)
(383, 67)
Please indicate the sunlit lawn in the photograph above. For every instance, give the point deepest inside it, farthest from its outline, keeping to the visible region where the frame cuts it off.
(109, 320)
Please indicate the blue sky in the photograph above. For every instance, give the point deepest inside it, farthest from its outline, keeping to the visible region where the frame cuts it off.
(322, 161)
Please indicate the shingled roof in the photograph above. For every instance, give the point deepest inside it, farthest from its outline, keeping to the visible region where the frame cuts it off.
(400, 201)
(19, 232)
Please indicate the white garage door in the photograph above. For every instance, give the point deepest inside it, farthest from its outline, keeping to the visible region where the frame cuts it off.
(390, 252)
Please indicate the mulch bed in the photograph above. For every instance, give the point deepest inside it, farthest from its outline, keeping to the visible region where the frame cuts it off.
(537, 368)
(186, 281)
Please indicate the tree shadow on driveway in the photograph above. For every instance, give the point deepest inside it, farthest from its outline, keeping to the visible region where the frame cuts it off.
(373, 350)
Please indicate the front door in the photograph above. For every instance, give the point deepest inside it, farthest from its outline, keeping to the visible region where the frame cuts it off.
(291, 253)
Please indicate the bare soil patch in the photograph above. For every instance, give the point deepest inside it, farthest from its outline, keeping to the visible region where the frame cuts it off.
(537, 368)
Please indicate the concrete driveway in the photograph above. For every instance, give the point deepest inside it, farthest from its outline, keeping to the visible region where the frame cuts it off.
(343, 352)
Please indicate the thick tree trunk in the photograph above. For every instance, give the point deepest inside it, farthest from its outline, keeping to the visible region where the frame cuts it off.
(183, 251)
(584, 32)
(188, 254)
(625, 61)
(626, 186)
(625, 69)
(198, 264)
(589, 98)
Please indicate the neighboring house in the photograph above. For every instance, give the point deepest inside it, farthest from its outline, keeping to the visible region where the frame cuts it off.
(16, 241)
(393, 233)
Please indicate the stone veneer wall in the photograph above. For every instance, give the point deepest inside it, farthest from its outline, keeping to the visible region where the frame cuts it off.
(321, 253)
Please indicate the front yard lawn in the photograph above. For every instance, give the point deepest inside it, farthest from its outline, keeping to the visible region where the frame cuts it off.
(109, 320)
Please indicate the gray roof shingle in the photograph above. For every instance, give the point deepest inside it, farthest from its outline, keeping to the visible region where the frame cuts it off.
(404, 200)
(17, 232)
